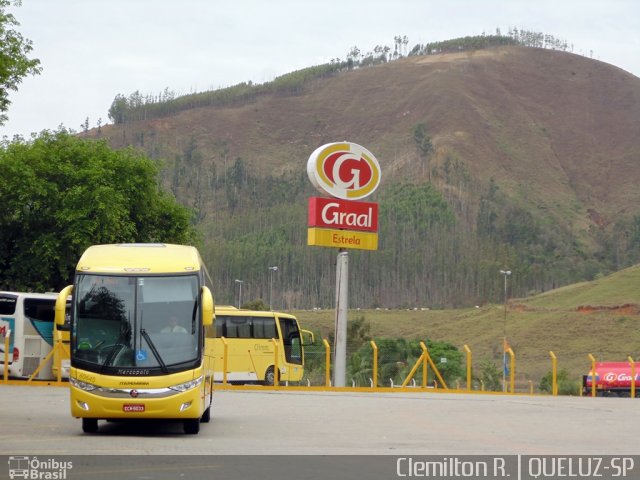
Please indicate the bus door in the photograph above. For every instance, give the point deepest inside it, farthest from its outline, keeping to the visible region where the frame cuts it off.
(39, 315)
(291, 340)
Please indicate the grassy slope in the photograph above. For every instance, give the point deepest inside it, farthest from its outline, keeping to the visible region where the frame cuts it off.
(557, 131)
(554, 321)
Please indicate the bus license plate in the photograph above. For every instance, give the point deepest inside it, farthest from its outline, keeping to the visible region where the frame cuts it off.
(133, 407)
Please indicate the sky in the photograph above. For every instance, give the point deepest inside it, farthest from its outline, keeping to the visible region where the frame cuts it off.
(91, 51)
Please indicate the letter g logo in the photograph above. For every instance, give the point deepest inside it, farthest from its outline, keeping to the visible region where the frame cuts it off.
(344, 170)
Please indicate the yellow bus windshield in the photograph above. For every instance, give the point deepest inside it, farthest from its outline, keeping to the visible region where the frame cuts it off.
(128, 325)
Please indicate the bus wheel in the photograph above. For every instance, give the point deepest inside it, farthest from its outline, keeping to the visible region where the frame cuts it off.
(269, 376)
(191, 426)
(206, 416)
(89, 425)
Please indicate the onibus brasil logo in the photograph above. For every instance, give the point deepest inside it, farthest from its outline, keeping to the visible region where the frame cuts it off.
(344, 170)
(38, 469)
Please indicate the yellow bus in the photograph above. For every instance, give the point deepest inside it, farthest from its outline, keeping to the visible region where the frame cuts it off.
(250, 336)
(138, 316)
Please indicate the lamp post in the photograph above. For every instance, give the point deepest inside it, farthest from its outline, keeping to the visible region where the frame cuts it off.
(240, 293)
(505, 273)
(271, 270)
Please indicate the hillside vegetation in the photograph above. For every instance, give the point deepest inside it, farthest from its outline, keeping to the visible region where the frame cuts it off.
(601, 317)
(502, 157)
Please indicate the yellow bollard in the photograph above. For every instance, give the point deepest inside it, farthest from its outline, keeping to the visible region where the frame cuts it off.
(58, 360)
(512, 373)
(413, 371)
(468, 352)
(425, 379)
(482, 385)
(6, 355)
(225, 359)
(375, 364)
(435, 371)
(593, 375)
(531, 387)
(276, 366)
(554, 374)
(327, 361)
(633, 376)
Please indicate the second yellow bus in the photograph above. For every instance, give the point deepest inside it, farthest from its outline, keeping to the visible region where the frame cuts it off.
(251, 337)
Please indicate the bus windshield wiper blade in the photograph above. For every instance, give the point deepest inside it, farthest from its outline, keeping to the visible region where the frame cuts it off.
(154, 350)
(193, 316)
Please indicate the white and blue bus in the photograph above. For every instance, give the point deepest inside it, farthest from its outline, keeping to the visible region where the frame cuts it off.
(28, 319)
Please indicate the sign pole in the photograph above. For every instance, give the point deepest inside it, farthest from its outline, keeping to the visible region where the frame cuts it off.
(342, 300)
(347, 172)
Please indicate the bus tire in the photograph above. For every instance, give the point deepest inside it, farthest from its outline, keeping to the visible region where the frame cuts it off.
(89, 425)
(191, 426)
(206, 416)
(269, 376)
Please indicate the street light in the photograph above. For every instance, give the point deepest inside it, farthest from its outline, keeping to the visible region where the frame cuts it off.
(240, 294)
(271, 270)
(505, 273)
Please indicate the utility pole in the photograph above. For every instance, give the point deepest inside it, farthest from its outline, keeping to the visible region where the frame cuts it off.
(271, 270)
(240, 293)
(342, 308)
(505, 273)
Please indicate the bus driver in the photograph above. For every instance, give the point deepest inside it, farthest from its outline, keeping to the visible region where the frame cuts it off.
(173, 326)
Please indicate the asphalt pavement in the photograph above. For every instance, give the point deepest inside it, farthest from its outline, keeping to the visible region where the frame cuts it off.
(36, 421)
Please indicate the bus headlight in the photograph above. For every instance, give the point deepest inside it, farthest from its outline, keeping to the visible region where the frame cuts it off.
(183, 387)
(87, 387)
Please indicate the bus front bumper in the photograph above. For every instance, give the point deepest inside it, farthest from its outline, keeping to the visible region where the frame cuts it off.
(137, 403)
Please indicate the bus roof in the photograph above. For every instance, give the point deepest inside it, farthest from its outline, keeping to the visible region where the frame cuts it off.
(47, 295)
(140, 258)
(241, 312)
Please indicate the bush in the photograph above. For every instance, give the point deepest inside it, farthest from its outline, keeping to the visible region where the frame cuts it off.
(566, 385)
(490, 376)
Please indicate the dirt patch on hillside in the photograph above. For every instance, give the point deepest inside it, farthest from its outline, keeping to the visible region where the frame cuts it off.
(626, 309)
(519, 307)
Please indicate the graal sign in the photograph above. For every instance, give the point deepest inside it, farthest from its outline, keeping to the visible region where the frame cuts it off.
(344, 170)
(347, 172)
(342, 214)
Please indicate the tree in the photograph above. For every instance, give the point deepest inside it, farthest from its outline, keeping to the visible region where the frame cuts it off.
(61, 193)
(424, 144)
(14, 63)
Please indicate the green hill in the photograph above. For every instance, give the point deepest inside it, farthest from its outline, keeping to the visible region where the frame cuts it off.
(517, 157)
(601, 317)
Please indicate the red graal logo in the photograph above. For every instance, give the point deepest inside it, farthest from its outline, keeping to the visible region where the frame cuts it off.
(344, 170)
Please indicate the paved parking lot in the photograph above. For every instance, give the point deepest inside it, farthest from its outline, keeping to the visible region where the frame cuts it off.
(36, 421)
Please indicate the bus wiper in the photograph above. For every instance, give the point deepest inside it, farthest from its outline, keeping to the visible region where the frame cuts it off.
(193, 317)
(154, 350)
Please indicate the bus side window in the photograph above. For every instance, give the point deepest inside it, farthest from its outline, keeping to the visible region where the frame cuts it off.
(8, 304)
(258, 328)
(37, 309)
(232, 328)
(268, 328)
(221, 326)
(244, 328)
(216, 329)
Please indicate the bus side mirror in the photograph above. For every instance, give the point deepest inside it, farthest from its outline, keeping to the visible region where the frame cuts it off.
(61, 305)
(207, 307)
(307, 337)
